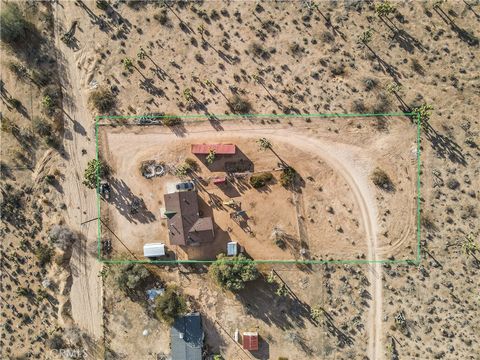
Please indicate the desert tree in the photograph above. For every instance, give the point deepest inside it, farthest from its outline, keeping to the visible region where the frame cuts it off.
(232, 273)
(14, 25)
(264, 144)
(424, 111)
(170, 305)
(366, 37)
(95, 169)
(142, 54)
(210, 157)
(127, 63)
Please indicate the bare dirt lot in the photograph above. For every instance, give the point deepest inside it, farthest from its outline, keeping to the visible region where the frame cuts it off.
(324, 215)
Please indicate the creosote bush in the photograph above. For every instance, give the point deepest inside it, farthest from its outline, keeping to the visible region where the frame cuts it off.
(102, 99)
(171, 121)
(131, 277)
(382, 180)
(240, 105)
(260, 180)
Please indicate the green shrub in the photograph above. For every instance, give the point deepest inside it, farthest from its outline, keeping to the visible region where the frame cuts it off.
(240, 105)
(171, 121)
(260, 180)
(381, 179)
(287, 178)
(94, 168)
(191, 164)
(44, 254)
(131, 277)
(170, 305)
(102, 99)
(231, 273)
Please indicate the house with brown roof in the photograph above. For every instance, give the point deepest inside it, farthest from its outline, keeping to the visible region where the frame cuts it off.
(185, 226)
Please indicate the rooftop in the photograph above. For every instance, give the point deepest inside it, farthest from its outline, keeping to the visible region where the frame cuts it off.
(186, 336)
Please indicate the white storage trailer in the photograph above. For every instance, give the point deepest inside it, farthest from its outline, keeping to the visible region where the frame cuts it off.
(153, 250)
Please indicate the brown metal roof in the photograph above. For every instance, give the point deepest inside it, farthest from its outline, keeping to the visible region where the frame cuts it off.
(186, 227)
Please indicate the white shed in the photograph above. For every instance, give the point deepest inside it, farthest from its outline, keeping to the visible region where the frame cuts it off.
(232, 248)
(153, 250)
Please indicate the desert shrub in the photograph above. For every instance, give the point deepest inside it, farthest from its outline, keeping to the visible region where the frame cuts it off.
(260, 180)
(41, 127)
(102, 4)
(102, 99)
(233, 272)
(14, 25)
(369, 84)
(62, 237)
(94, 168)
(287, 178)
(171, 121)
(358, 106)
(131, 276)
(162, 17)
(240, 105)
(44, 254)
(453, 184)
(280, 242)
(427, 222)
(191, 164)
(170, 305)
(259, 51)
(56, 342)
(381, 179)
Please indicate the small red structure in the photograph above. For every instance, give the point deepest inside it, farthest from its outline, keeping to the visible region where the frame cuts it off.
(219, 149)
(250, 341)
(220, 180)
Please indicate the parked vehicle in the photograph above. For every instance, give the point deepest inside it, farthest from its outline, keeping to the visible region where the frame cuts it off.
(185, 186)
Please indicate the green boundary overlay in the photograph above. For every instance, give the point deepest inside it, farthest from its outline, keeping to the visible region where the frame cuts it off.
(201, 118)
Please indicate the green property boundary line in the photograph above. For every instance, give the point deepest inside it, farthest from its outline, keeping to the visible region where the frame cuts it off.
(202, 118)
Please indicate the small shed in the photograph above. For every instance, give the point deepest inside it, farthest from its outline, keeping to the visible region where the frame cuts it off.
(250, 341)
(232, 248)
(220, 180)
(153, 250)
(219, 149)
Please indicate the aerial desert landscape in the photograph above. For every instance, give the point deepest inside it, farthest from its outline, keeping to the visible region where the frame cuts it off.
(307, 173)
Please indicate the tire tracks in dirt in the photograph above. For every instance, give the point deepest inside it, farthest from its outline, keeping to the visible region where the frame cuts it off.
(86, 289)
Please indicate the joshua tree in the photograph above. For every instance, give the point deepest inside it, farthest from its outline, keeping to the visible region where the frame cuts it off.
(187, 94)
(264, 144)
(384, 9)
(210, 157)
(141, 54)
(470, 246)
(127, 63)
(425, 111)
(366, 37)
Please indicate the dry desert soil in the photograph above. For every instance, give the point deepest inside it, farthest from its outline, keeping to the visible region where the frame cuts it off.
(65, 62)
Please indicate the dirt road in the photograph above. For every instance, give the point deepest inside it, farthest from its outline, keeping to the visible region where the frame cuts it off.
(86, 289)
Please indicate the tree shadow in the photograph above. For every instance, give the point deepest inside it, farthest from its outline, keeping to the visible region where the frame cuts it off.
(462, 34)
(444, 146)
(261, 302)
(131, 206)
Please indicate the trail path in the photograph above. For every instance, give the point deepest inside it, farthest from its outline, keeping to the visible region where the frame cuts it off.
(86, 288)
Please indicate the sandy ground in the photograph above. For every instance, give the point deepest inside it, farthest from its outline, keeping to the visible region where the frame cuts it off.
(86, 287)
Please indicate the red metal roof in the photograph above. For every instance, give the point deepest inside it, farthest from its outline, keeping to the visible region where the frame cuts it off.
(250, 341)
(221, 149)
(219, 180)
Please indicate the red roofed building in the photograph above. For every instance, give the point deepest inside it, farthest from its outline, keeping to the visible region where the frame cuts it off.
(219, 149)
(250, 341)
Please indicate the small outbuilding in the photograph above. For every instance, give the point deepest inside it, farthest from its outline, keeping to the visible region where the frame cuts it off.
(232, 248)
(220, 180)
(153, 250)
(186, 337)
(250, 341)
(219, 149)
